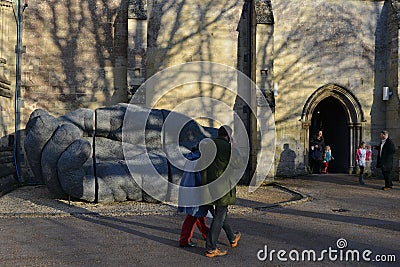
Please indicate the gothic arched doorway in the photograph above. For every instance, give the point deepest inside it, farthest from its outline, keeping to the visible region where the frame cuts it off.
(338, 113)
(330, 117)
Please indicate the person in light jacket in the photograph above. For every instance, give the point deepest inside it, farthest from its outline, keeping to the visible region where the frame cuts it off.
(361, 157)
(195, 215)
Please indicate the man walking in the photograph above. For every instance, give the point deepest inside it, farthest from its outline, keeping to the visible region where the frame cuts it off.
(225, 159)
(385, 158)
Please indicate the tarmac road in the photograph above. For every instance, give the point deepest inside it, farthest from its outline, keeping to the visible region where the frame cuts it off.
(341, 220)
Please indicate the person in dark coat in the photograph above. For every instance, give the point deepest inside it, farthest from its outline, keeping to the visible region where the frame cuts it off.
(386, 152)
(226, 159)
(317, 149)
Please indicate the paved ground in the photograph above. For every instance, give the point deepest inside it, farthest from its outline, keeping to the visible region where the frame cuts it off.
(339, 219)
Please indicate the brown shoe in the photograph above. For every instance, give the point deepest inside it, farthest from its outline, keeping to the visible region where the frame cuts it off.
(216, 252)
(386, 188)
(234, 243)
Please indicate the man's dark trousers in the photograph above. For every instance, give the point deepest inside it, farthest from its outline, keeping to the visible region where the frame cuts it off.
(218, 222)
(388, 178)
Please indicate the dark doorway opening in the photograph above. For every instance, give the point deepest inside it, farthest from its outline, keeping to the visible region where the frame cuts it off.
(330, 117)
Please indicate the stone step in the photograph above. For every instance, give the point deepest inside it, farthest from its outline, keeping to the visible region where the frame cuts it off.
(4, 153)
(6, 149)
(6, 156)
(7, 169)
(6, 159)
(7, 184)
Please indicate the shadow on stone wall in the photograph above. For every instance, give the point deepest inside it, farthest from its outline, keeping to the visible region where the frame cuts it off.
(286, 166)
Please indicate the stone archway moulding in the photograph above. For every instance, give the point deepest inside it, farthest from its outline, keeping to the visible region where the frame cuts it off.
(350, 104)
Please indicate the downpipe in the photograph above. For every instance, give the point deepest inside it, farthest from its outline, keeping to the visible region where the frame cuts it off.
(18, 50)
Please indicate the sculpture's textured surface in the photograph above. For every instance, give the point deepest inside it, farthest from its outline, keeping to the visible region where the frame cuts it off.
(82, 154)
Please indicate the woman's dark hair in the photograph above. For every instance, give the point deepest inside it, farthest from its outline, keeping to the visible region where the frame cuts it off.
(317, 134)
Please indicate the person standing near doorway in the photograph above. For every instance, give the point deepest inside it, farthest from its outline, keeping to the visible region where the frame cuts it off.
(386, 152)
(327, 158)
(368, 159)
(361, 157)
(318, 145)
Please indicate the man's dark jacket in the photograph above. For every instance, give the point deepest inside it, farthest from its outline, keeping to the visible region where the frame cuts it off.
(218, 167)
(385, 158)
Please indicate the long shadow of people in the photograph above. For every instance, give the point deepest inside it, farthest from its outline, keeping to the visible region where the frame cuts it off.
(135, 225)
(286, 166)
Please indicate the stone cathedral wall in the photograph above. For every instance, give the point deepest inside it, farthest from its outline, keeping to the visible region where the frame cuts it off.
(97, 53)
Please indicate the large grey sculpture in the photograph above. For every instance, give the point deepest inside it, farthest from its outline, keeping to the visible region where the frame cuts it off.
(81, 155)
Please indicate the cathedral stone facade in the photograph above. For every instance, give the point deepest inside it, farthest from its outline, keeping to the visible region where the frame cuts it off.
(320, 65)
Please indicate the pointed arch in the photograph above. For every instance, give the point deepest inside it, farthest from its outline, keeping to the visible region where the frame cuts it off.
(350, 103)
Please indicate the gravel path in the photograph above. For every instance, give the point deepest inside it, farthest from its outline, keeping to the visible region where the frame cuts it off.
(36, 201)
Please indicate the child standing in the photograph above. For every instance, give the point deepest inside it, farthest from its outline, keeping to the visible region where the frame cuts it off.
(361, 155)
(327, 158)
